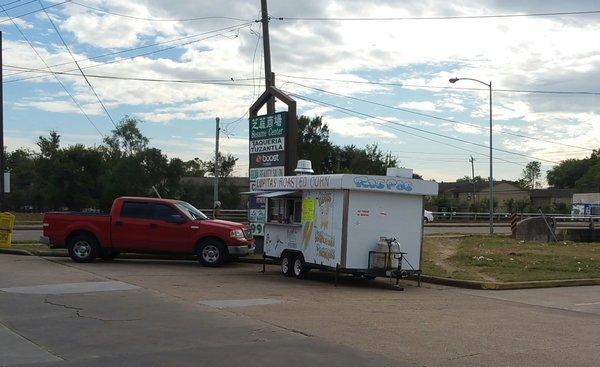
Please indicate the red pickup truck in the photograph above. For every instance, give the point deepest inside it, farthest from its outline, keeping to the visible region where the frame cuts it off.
(147, 225)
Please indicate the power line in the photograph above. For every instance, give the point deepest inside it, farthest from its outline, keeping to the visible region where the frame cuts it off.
(392, 84)
(11, 2)
(128, 58)
(355, 113)
(79, 67)
(443, 17)
(423, 130)
(439, 118)
(234, 27)
(38, 10)
(18, 6)
(55, 76)
(156, 19)
(114, 77)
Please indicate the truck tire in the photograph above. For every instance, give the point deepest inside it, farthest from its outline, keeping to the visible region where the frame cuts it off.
(299, 268)
(83, 248)
(212, 253)
(286, 264)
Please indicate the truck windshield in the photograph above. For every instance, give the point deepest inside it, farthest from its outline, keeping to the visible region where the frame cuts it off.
(189, 210)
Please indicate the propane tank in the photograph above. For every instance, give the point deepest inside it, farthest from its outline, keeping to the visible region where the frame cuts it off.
(384, 259)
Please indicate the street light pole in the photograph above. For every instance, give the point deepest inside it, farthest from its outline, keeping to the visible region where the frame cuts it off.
(491, 178)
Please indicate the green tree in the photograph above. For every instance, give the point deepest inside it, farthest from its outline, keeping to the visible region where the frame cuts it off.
(530, 174)
(314, 145)
(226, 165)
(566, 174)
(469, 179)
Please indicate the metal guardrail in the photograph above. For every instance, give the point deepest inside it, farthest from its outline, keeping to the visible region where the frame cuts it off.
(500, 217)
(241, 215)
(233, 215)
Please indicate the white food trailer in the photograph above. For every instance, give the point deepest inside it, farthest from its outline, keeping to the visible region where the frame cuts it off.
(338, 222)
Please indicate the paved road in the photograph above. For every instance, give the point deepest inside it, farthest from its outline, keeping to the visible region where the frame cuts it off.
(151, 313)
(52, 314)
(33, 235)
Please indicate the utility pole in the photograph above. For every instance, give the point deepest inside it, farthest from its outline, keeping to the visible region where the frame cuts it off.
(472, 160)
(269, 75)
(216, 186)
(1, 129)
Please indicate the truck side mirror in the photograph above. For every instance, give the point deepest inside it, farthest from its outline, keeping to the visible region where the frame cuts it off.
(175, 218)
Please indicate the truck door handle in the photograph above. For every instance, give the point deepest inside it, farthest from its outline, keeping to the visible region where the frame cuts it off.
(118, 224)
(152, 225)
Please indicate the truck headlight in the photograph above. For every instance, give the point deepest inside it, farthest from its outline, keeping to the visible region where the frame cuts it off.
(236, 233)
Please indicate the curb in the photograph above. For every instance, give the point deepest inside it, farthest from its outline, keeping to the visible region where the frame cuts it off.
(472, 284)
(59, 253)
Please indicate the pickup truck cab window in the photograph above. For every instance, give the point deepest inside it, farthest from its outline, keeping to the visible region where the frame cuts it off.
(136, 209)
(190, 211)
(164, 212)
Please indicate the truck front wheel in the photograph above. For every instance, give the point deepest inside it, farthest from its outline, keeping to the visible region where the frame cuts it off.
(211, 253)
(83, 248)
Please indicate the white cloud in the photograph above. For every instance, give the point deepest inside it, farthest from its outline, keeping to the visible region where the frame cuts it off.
(357, 128)
(427, 106)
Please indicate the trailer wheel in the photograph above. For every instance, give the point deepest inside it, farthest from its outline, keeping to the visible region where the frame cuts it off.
(299, 267)
(286, 264)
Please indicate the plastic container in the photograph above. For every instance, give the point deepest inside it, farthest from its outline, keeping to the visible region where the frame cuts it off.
(7, 221)
(5, 238)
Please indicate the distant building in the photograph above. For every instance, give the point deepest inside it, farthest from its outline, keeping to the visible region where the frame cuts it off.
(462, 193)
(547, 197)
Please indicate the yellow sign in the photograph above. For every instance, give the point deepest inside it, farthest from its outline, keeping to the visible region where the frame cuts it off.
(308, 209)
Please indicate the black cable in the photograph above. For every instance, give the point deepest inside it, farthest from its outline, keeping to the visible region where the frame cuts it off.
(423, 130)
(113, 77)
(445, 17)
(127, 58)
(48, 67)
(157, 19)
(531, 91)
(38, 10)
(438, 117)
(354, 114)
(79, 67)
(11, 2)
(18, 6)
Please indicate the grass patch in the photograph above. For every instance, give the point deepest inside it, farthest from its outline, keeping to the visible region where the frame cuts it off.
(500, 258)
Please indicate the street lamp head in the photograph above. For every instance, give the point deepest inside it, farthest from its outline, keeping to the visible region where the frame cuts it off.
(453, 80)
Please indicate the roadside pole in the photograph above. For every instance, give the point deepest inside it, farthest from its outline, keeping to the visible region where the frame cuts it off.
(216, 185)
(269, 75)
(472, 160)
(2, 169)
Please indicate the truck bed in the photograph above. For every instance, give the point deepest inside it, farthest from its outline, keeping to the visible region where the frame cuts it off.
(58, 225)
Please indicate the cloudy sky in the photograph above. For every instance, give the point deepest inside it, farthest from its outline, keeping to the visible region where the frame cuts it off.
(412, 111)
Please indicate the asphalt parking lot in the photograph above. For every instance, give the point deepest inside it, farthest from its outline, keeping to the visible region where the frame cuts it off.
(155, 313)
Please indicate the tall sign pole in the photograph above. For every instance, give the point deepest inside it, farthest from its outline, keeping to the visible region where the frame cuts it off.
(269, 76)
(216, 186)
(472, 160)
(2, 188)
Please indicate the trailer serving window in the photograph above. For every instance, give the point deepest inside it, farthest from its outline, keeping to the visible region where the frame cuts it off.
(283, 206)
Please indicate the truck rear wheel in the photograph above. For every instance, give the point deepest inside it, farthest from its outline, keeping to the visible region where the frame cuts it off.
(211, 253)
(83, 248)
(286, 264)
